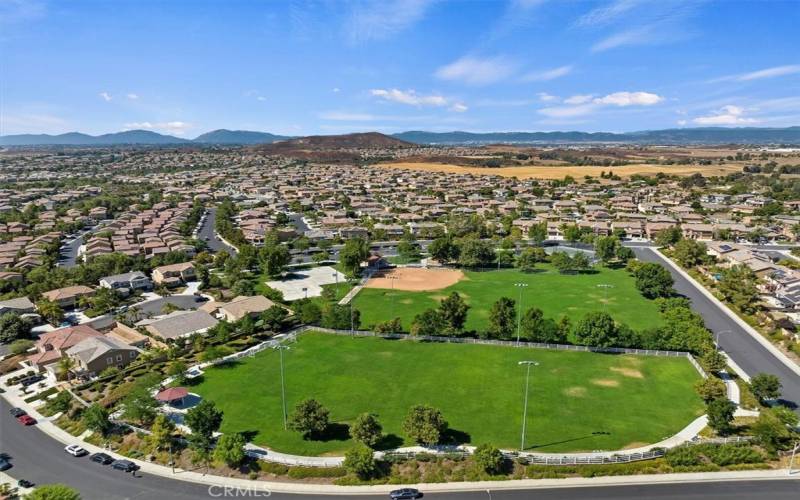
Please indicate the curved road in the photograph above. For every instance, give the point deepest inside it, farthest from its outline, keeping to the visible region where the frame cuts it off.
(37, 457)
(207, 233)
(748, 353)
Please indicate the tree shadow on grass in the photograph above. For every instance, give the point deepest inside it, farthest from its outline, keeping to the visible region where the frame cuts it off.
(455, 437)
(571, 440)
(250, 435)
(227, 365)
(389, 442)
(333, 432)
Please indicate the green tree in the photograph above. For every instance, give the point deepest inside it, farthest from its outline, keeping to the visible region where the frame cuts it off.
(738, 285)
(161, 432)
(140, 406)
(765, 386)
(366, 429)
(668, 236)
(338, 317)
(606, 248)
(536, 328)
(203, 420)
(61, 403)
(309, 418)
(359, 460)
(308, 311)
(562, 261)
(178, 369)
(50, 311)
(354, 252)
(444, 249)
(538, 232)
(274, 258)
(527, 259)
(489, 458)
(502, 319)
(476, 253)
(596, 329)
(408, 250)
(653, 280)
(690, 253)
(571, 232)
(272, 319)
(53, 492)
(230, 449)
(710, 388)
(720, 414)
(625, 254)
(771, 431)
(95, 418)
(13, 327)
(713, 361)
(453, 310)
(424, 425)
(428, 323)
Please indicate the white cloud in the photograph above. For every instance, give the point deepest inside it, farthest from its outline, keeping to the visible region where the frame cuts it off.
(547, 75)
(607, 14)
(476, 71)
(382, 19)
(584, 104)
(635, 36)
(409, 97)
(545, 97)
(459, 107)
(578, 99)
(630, 99)
(726, 115)
(336, 90)
(132, 96)
(105, 96)
(261, 98)
(173, 127)
(775, 71)
(682, 122)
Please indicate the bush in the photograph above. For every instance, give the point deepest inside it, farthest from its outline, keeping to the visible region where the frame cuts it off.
(683, 456)
(274, 468)
(307, 472)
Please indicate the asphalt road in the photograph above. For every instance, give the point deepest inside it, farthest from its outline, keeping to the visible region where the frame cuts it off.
(745, 351)
(208, 234)
(38, 458)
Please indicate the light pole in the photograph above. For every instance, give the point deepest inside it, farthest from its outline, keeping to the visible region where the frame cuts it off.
(525, 405)
(280, 349)
(305, 291)
(605, 287)
(336, 277)
(716, 337)
(392, 279)
(791, 461)
(519, 308)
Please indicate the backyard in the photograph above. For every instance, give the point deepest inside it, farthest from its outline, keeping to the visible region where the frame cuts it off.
(554, 293)
(578, 401)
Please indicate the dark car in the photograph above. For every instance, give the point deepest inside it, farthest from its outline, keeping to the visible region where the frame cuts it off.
(405, 493)
(4, 464)
(17, 412)
(101, 458)
(32, 380)
(24, 483)
(124, 465)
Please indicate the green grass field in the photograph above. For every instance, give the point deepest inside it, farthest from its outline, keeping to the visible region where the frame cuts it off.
(554, 293)
(578, 401)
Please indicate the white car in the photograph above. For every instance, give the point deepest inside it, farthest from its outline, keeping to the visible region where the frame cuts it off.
(75, 450)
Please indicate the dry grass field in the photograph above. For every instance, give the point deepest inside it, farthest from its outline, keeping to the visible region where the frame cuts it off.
(415, 279)
(559, 172)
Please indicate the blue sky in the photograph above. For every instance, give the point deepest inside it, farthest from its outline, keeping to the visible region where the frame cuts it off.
(307, 67)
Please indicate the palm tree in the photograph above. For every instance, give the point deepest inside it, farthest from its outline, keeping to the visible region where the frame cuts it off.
(51, 311)
(65, 366)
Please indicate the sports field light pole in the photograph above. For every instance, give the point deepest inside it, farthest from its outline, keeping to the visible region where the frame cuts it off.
(519, 309)
(336, 276)
(280, 349)
(791, 461)
(392, 278)
(605, 287)
(525, 405)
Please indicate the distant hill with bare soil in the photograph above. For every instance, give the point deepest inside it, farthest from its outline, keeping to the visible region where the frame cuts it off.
(366, 140)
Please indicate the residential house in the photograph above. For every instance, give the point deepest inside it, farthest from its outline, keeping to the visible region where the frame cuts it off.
(243, 306)
(68, 297)
(127, 282)
(21, 305)
(181, 324)
(52, 346)
(174, 274)
(95, 354)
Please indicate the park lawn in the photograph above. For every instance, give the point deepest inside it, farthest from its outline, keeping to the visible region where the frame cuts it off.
(578, 401)
(554, 293)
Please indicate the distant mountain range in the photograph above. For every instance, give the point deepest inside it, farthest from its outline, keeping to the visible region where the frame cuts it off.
(709, 135)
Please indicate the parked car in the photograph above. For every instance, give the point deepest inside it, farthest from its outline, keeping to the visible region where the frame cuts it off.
(4, 464)
(124, 465)
(24, 483)
(32, 380)
(405, 493)
(26, 420)
(75, 450)
(101, 458)
(17, 412)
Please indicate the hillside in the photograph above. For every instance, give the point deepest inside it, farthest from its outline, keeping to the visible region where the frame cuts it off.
(77, 139)
(223, 136)
(366, 140)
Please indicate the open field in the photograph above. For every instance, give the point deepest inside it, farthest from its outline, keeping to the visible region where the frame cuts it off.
(551, 172)
(554, 293)
(578, 401)
(415, 279)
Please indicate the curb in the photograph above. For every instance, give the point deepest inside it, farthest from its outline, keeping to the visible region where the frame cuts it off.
(739, 321)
